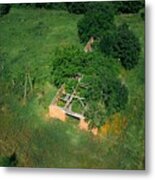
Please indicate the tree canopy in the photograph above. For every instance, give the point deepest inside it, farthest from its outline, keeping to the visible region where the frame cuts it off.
(96, 22)
(129, 6)
(123, 45)
(101, 86)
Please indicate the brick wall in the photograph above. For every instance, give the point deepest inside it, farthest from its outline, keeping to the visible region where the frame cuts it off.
(57, 112)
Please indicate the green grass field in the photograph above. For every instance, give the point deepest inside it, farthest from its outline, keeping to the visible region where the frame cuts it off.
(32, 36)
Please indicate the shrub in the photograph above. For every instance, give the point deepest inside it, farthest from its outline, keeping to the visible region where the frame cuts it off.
(100, 6)
(122, 44)
(84, 7)
(115, 95)
(107, 42)
(129, 6)
(76, 7)
(68, 63)
(142, 14)
(95, 23)
(113, 98)
(4, 9)
(105, 88)
(56, 6)
(104, 93)
(127, 47)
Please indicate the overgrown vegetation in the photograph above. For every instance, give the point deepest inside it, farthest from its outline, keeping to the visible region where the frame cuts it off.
(96, 22)
(100, 84)
(123, 45)
(40, 50)
(129, 6)
(77, 8)
(4, 9)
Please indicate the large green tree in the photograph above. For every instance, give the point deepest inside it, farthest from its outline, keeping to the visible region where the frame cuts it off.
(96, 22)
(123, 45)
(68, 63)
(103, 91)
(127, 47)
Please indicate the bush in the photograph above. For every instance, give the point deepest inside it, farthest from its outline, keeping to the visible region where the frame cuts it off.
(142, 14)
(4, 9)
(127, 47)
(115, 95)
(56, 6)
(104, 93)
(95, 23)
(68, 63)
(107, 42)
(112, 96)
(76, 7)
(123, 45)
(106, 88)
(129, 6)
(100, 6)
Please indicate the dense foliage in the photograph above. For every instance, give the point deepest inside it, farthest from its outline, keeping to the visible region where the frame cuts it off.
(76, 7)
(104, 92)
(142, 14)
(101, 85)
(96, 23)
(100, 6)
(127, 47)
(4, 9)
(129, 6)
(68, 63)
(50, 6)
(83, 7)
(122, 44)
(107, 43)
(105, 99)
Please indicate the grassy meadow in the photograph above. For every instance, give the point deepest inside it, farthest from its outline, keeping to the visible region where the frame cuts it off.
(28, 138)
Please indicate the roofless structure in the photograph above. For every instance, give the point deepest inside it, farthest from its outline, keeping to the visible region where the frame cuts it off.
(62, 112)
